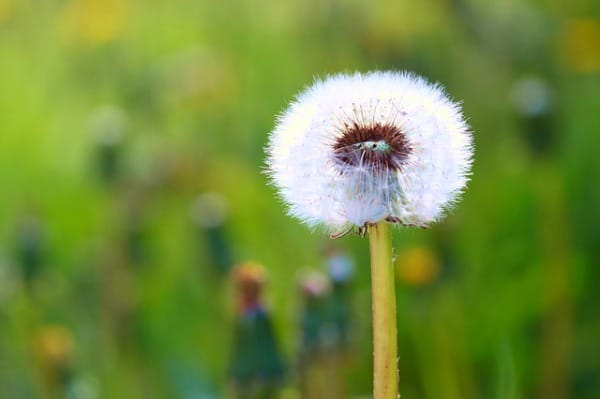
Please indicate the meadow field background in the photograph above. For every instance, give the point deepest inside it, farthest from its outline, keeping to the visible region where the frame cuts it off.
(500, 300)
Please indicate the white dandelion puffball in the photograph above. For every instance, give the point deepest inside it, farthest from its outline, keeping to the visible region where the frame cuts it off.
(356, 149)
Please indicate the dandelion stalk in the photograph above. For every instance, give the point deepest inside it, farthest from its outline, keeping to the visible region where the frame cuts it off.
(385, 348)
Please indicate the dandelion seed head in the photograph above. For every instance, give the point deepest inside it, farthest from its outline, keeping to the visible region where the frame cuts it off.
(356, 149)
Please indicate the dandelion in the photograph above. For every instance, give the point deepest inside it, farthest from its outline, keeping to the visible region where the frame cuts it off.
(357, 149)
(107, 126)
(314, 357)
(256, 368)
(209, 216)
(364, 151)
(54, 352)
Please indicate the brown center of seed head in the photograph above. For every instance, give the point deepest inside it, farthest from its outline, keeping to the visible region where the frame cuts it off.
(379, 147)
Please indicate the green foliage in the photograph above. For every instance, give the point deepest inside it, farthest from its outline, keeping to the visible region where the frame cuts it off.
(511, 314)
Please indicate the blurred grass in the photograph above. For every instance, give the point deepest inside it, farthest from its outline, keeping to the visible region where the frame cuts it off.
(514, 312)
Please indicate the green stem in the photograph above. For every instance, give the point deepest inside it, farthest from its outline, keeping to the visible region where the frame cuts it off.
(385, 347)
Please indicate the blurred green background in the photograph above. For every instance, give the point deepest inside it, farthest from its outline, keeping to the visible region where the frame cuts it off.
(105, 273)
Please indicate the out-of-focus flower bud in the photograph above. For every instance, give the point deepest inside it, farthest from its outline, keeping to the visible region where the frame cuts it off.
(107, 127)
(209, 214)
(54, 349)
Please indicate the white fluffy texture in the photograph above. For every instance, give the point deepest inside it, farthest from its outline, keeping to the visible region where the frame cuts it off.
(322, 192)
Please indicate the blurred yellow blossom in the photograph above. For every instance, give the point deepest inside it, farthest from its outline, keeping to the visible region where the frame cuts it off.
(6, 8)
(249, 274)
(54, 348)
(417, 266)
(93, 21)
(580, 45)
(54, 344)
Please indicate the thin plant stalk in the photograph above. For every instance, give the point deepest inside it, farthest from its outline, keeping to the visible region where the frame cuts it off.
(385, 347)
